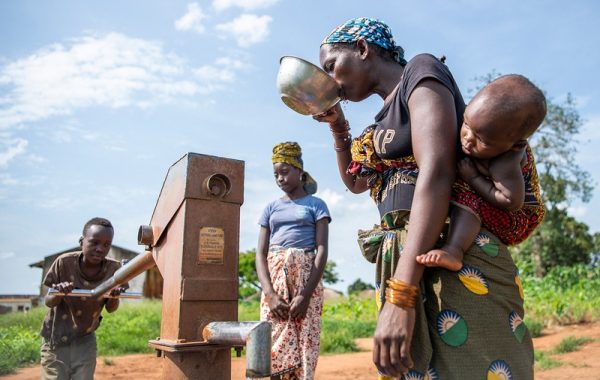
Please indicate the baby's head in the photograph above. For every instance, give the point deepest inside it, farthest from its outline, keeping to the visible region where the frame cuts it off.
(501, 116)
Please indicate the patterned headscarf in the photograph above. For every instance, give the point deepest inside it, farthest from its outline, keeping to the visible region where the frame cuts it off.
(290, 153)
(372, 30)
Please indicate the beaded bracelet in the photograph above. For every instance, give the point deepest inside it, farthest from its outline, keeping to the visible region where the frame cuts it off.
(338, 131)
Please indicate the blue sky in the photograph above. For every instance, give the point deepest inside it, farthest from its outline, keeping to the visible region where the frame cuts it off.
(99, 98)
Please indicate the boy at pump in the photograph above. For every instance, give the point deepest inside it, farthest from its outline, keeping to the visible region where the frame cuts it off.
(69, 343)
(502, 193)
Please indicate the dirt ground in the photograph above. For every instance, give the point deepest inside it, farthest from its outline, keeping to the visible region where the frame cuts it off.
(581, 364)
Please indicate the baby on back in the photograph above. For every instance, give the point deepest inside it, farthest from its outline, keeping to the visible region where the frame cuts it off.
(493, 136)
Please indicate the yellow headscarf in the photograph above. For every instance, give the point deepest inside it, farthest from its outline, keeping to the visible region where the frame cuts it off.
(290, 153)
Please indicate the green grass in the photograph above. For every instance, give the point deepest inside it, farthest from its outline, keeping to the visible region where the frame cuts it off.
(128, 330)
(535, 327)
(19, 339)
(544, 361)
(566, 295)
(125, 331)
(570, 344)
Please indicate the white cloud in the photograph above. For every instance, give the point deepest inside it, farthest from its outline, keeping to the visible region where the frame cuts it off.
(6, 255)
(34, 158)
(222, 71)
(14, 147)
(221, 5)
(117, 196)
(590, 128)
(111, 70)
(192, 20)
(247, 29)
(7, 179)
(330, 197)
(578, 211)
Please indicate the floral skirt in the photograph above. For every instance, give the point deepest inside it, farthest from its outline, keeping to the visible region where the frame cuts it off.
(470, 323)
(295, 342)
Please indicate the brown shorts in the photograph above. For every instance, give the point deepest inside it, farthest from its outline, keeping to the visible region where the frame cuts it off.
(76, 361)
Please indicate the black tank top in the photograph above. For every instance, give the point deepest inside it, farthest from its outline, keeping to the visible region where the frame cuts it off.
(392, 137)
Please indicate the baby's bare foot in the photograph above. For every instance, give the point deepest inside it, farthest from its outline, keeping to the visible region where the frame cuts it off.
(441, 258)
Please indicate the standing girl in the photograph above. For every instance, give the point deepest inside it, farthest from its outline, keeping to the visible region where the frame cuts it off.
(290, 260)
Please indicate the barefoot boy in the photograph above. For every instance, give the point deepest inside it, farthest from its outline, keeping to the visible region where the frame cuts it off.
(499, 167)
(69, 343)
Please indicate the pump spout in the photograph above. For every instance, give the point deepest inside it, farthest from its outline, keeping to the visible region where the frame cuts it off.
(256, 336)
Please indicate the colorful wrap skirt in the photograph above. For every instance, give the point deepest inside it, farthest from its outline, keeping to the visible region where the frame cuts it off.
(511, 227)
(469, 324)
(295, 342)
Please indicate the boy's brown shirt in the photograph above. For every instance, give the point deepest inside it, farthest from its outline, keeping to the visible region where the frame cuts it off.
(74, 317)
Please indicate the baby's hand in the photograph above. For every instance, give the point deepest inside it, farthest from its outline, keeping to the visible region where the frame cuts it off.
(467, 170)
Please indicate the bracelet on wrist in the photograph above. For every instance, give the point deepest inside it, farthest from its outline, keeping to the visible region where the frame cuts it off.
(399, 300)
(337, 130)
(342, 148)
(402, 286)
(401, 294)
(343, 144)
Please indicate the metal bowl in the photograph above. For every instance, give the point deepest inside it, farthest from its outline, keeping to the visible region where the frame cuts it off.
(306, 88)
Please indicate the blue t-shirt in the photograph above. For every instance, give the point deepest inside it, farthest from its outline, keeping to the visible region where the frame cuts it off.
(293, 222)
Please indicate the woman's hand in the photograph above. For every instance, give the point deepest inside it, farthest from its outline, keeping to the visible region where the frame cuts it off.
(392, 340)
(299, 306)
(278, 306)
(335, 115)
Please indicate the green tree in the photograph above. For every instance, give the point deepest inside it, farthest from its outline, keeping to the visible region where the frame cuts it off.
(560, 239)
(249, 283)
(358, 286)
(330, 276)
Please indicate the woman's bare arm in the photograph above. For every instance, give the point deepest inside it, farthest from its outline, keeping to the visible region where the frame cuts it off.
(262, 269)
(322, 237)
(434, 133)
(300, 303)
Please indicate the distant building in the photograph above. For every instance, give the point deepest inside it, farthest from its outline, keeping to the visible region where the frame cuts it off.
(148, 283)
(17, 302)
